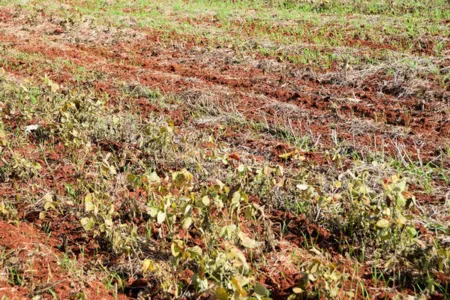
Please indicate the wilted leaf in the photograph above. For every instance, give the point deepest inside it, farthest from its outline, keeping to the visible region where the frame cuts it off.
(152, 211)
(237, 255)
(87, 223)
(187, 210)
(302, 187)
(161, 217)
(182, 178)
(195, 251)
(187, 223)
(206, 201)
(246, 241)
(228, 231)
(3, 141)
(236, 198)
(153, 178)
(54, 87)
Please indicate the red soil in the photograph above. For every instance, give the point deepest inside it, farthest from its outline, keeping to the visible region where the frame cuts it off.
(39, 253)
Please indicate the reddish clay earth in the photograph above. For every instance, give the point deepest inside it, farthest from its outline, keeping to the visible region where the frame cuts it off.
(28, 249)
(372, 114)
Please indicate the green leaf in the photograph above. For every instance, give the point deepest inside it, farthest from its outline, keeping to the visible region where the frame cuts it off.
(261, 290)
(401, 186)
(385, 235)
(412, 232)
(400, 201)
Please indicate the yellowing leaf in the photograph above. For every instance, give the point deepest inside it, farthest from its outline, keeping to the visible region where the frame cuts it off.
(49, 205)
(383, 223)
(177, 247)
(289, 154)
(401, 220)
(221, 294)
(238, 287)
(88, 204)
(148, 265)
